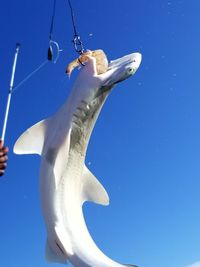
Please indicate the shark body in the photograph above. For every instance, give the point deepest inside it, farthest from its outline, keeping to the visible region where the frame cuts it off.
(66, 183)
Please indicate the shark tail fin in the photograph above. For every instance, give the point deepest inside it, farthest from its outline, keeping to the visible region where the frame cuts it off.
(93, 190)
(32, 140)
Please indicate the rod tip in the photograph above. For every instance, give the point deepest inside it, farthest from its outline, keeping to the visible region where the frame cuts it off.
(18, 45)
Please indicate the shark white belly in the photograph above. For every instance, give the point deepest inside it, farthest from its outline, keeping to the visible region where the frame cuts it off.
(65, 182)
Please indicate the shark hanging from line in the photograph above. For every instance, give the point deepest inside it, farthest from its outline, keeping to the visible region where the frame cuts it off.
(66, 183)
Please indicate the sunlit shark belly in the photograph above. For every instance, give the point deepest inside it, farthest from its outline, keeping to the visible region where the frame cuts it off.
(83, 119)
(66, 200)
(70, 189)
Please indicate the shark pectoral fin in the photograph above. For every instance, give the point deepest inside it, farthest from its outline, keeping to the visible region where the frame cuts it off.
(32, 140)
(93, 190)
(51, 256)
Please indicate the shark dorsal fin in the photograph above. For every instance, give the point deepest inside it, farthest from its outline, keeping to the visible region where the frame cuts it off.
(32, 140)
(93, 190)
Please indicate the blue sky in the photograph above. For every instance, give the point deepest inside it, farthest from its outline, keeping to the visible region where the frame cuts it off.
(145, 148)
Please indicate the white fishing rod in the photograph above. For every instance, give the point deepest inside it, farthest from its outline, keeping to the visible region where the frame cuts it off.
(10, 92)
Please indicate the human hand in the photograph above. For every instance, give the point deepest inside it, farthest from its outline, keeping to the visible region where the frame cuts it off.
(3, 157)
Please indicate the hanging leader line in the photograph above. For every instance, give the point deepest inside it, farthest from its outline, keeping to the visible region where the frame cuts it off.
(52, 20)
(52, 54)
(78, 44)
(54, 49)
(10, 91)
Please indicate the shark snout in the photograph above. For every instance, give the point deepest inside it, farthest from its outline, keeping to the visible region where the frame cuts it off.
(123, 68)
(134, 62)
(137, 58)
(134, 58)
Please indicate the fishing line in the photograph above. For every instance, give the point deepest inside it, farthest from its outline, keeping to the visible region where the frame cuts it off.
(54, 49)
(52, 20)
(53, 45)
(78, 44)
(30, 75)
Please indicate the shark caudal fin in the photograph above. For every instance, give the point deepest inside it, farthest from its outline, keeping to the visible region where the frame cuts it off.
(32, 140)
(93, 190)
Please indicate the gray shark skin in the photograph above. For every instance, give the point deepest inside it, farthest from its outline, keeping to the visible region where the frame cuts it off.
(65, 182)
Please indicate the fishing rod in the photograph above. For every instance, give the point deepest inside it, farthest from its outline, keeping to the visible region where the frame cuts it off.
(10, 92)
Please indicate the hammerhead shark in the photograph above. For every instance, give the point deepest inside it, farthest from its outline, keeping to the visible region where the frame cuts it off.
(65, 181)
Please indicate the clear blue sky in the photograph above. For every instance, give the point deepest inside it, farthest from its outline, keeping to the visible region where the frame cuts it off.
(145, 147)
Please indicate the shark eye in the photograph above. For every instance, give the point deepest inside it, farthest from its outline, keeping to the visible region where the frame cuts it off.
(130, 70)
